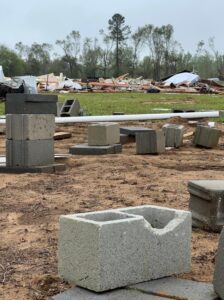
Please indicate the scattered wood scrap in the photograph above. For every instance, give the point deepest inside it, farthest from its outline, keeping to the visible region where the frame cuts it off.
(62, 135)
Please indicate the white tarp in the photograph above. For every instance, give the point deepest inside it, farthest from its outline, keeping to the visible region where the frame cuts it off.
(2, 77)
(178, 79)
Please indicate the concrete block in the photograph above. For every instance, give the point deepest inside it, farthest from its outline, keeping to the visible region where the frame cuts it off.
(70, 107)
(52, 168)
(31, 104)
(125, 139)
(24, 153)
(150, 142)
(103, 134)
(218, 279)
(85, 149)
(131, 131)
(206, 136)
(176, 288)
(114, 248)
(207, 204)
(173, 135)
(30, 127)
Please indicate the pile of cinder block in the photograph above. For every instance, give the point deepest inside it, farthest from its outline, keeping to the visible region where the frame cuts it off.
(207, 204)
(30, 127)
(114, 248)
(206, 136)
(150, 141)
(173, 135)
(103, 138)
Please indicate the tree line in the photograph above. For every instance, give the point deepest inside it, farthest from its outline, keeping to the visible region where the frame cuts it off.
(149, 51)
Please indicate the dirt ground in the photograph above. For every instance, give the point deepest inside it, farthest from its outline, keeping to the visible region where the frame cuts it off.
(30, 205)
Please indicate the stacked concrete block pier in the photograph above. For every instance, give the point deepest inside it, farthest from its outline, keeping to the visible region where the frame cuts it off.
(103, 138)
(105, 250)
(30, 127)
(207, 204)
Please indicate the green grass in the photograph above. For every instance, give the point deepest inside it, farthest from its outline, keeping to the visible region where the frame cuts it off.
(140, 103)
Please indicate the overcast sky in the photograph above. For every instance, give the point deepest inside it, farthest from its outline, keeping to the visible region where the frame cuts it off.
(41, 21)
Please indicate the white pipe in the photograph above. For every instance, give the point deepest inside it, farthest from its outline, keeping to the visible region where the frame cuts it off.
(119, 118)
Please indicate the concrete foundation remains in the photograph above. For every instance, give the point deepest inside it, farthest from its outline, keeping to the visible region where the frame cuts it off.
(207, 204)
(114, 248)
(30, 127)
(206, 136)
(31, 104)
(70, 108)
(103, 134)
(125, 139)
(218, 280)
(173, 135)
(25, 153)
(150, 142)
(85, 149)
(131, 131)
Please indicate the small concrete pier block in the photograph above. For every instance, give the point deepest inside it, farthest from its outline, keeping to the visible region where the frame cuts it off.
(150, 142)
(207, 204)
(206, 136)
(105, 250)
(25, 153)
(103, 134)
(173, 135)
(131, 131)
(218, 280)
(85, 149)
(30, 127)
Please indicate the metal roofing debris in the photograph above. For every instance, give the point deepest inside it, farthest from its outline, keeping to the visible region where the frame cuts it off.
(182, 78)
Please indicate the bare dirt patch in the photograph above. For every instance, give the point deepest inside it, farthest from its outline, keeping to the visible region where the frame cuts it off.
(32, 203)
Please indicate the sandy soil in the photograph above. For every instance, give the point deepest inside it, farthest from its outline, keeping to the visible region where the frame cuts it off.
(30, 206)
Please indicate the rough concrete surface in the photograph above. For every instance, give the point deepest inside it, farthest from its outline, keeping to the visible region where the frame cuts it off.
(207, 203)
(173, 135)
(85, 149)
(110, 249)
(150, 142)
(206, 136)
(30, 126)
(218, 280)
(103, 134)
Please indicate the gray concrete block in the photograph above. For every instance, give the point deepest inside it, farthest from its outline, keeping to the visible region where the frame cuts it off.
(173, 135)
(150, 142)
(131, 131)
(103, 134)
(207, 204)
(125, 139)
(85, 149)
(114, 248)
(70, 107)
(218, 279)
(34, 169)
(206, 136)
(24, 153)
(30, 127)
(31, 104)
(176, 288)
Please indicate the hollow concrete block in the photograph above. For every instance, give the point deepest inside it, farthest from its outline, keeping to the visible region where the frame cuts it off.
(103, 134)
(114, 248)
(30, 127)
(173, 135)
(70, 107)
(218, 279)
(150, 142)
(25, 153)
(206, 136)
(207, 204)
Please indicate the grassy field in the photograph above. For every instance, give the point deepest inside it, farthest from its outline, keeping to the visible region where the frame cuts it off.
(140, 103)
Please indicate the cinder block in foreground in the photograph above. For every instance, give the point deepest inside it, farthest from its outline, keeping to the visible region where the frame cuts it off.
(29, 153)
(85, 149)
(207, 204)
(218, 280)
(103, 134)
(150, 142)
(31, 104)
(173, 135)
(30, 127)
(114, 248)
(206, 136)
